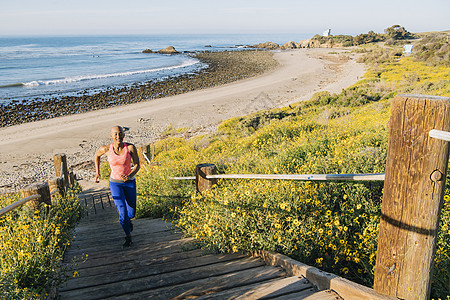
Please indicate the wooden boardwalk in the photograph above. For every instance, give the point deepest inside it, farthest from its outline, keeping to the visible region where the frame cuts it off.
(161, 264)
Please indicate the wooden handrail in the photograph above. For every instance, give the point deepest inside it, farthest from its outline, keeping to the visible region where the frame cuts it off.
(183, 178)
(32, 197)
(18, 204)
(54, 192)
(21, 202)
(306, 177)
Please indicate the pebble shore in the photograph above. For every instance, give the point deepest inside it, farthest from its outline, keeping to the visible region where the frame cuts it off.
(223, 67)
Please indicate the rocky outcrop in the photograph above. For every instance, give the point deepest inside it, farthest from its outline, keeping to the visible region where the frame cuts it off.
(290, 45)
(168, 50)
(267, 45)
(310, 43)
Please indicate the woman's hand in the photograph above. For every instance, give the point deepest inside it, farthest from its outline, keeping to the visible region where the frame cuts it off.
(124, 177)
(97, 178)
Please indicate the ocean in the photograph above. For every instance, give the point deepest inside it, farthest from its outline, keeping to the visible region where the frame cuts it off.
(47, 67)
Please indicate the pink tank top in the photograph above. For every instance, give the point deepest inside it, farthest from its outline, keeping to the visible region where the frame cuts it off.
(120, 164)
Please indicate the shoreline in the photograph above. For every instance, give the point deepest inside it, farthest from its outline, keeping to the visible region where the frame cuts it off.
(222, 68)
(27, 149)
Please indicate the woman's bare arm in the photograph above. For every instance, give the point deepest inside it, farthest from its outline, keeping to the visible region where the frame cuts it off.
(102, 150)
(134, 156)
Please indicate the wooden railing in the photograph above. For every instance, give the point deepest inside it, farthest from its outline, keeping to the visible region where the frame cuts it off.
(41, 192)
(18, 204)
(440, 135)
(414, 183)
(303, 177)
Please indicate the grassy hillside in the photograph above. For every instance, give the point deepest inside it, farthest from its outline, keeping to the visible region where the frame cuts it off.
(333, 226)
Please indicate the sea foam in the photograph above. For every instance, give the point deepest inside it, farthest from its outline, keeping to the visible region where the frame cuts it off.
(34, 83)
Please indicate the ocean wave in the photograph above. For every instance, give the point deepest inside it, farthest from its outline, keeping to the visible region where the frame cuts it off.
(12, 85)
(73, 79)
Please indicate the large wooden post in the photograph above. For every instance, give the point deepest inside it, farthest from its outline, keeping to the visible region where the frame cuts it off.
(40, 188)
(416, 169)
(201, 182)
(60, 160)
(56, 183)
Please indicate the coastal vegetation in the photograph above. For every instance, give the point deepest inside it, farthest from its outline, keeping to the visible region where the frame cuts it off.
(391, 36)
(32, 245)
(333, 226)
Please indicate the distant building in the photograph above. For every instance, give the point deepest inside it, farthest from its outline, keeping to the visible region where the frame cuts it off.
(407, 49)
(327, 32)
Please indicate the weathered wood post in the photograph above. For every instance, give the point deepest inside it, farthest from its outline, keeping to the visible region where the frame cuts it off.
(143, 150)
(39, 188)
(71, 178)
(60, 160)
(416, 169)
(153, 152)
(56, 183)
(201, 182)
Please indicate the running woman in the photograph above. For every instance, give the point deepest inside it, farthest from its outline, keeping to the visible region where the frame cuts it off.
(121, 182)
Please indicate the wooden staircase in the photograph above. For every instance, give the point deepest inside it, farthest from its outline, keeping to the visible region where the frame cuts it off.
(161, 264)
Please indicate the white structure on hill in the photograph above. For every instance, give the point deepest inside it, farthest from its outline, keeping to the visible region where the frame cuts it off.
(327, 32)
(408, 49)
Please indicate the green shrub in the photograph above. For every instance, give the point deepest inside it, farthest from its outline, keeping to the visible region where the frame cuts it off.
(397, 32)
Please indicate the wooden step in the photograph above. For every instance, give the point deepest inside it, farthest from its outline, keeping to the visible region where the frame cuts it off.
(269, 290)
(208, 285)
(126, 264)
(311, 294)
(118, 255)
(145, 283)
(139, 269)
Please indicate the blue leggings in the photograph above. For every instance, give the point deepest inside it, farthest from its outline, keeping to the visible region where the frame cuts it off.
(124, 196)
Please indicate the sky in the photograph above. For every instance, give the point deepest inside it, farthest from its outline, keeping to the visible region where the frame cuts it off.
(121, 17)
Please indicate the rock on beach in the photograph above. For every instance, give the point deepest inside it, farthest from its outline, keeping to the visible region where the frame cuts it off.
(168, 50)
(266, 45)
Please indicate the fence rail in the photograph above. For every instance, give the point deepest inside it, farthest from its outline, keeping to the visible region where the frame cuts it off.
(33, 193)
(304, 177)
(18, 204)
(22, 202)
(440, 134)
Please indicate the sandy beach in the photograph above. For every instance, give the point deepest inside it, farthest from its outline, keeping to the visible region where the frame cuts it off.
(26, 150)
